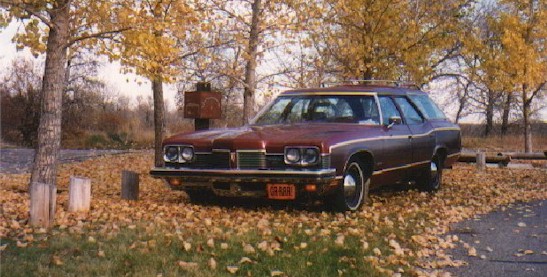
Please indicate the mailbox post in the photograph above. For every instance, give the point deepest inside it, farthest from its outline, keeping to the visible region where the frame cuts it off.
(202, 105)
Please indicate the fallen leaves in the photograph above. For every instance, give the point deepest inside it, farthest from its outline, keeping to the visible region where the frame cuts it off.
(188, 265)
(472, 252)
(232, 269)
(201, 230)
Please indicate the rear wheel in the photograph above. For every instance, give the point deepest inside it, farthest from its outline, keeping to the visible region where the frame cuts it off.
(353, 192)
(431, 177)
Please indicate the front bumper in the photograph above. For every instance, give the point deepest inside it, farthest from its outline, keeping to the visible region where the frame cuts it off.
(249, 183)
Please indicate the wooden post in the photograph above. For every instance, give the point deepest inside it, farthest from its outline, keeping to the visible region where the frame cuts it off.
(130, 185)
(481, 161)
(79, 194)
(39, 204)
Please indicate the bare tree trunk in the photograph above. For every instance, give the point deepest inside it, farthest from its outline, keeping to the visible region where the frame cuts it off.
(506, 111)
(159, 119)
(489, 114)
(250, 68)
(49, 130)
(526, 115)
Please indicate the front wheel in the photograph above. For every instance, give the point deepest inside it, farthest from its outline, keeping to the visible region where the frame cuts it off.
(431, 178)
(354, 190)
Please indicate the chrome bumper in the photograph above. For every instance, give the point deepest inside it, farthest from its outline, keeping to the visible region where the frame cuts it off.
(248, 176)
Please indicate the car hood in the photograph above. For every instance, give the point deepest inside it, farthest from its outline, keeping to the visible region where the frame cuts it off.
(272, 138)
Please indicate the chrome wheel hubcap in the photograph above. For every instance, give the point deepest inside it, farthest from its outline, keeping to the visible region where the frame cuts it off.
(349, 186)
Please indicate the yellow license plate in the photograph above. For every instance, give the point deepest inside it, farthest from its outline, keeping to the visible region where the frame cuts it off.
(281, 191)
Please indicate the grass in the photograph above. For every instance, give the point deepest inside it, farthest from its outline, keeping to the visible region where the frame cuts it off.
(131, 253)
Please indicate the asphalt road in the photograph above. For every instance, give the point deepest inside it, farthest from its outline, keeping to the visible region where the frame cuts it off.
(20, 160)
(512, 242)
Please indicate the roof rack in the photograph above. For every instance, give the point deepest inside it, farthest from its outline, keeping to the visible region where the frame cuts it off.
(374, 82)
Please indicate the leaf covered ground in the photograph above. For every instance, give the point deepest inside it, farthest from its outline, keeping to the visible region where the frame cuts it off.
(403, 231)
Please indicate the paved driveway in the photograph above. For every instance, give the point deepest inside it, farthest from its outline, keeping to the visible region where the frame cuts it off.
(19, 160)
(512, 242)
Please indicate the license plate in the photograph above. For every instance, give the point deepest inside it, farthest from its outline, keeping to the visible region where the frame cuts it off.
(281, 191)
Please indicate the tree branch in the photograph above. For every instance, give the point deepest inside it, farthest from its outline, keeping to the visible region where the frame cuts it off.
(96, 35)
(29, 10)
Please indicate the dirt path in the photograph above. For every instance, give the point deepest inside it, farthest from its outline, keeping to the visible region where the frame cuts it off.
(511, 241)
(19, 160)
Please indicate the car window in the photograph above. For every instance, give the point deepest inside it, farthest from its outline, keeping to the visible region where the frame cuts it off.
(298, 108)
(388, 108)
(319, 108)
(410, 114)
(427, 106)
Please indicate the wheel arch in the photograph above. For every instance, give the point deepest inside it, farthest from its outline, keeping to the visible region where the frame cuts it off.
(441, 152)
(365, 159)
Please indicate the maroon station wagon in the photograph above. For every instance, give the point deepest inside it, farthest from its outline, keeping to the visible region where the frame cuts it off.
(331, 143)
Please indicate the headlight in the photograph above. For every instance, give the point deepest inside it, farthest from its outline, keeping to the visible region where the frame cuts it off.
(292, 155)
(187, 154)
(310, 155)
(171, 154)
(302, 155)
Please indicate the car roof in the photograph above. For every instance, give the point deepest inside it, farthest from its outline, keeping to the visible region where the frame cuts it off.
(345, 89)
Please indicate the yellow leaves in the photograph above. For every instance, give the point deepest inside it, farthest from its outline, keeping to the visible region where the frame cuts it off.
(274, 273)
(472, 252)
(249, 249)
(56, 260)
(212, 263)
(340, 240)
(21, 244)
(189, 266)
(186, 246)
(232, 269)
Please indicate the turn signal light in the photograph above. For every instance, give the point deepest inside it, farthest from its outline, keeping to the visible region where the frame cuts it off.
(174, 182)
(311, 187)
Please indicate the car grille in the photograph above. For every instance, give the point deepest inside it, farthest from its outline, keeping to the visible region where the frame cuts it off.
(251, 160)
(215, 160)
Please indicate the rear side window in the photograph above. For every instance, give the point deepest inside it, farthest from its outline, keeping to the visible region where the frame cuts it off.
(411, 115)
(427, 106)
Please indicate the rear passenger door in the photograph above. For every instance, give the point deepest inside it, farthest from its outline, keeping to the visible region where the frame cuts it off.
(422, 140)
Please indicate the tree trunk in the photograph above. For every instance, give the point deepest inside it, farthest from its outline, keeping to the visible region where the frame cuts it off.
(506, 111)
(250, 68)
(526, 115)
(489, 114)
(159, 119)
(49, 130)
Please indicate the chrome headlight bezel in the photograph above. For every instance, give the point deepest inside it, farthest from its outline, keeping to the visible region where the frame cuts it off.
(307, 155)
(171, 153)
(184, 154)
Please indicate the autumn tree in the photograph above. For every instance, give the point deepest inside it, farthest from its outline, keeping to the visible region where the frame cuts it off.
(397, 40)
(154, 47)
(523, 38)
(52, 27)
(256, 28)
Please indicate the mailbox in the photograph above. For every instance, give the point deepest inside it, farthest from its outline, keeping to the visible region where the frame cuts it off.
(202, 103)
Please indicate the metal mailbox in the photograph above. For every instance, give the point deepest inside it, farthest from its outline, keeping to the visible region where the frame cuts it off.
(202, 103)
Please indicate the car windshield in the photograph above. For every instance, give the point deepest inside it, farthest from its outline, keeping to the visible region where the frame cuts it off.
(288, 109)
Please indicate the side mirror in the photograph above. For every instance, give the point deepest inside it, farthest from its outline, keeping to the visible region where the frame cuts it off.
(394, 120)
